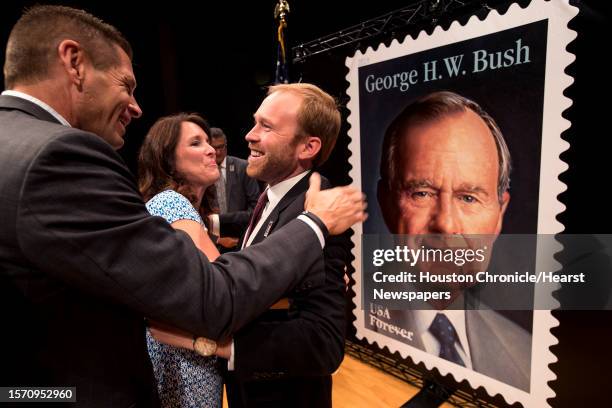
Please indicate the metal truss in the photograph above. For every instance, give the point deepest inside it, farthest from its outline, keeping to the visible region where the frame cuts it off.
(423, 11)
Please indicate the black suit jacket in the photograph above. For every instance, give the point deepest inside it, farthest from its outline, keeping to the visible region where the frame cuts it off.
(242, 193)
(82, 263)
(285, 357)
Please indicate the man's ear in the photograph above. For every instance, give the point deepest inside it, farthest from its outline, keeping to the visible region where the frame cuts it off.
(503, 206)
(71, 59)
(388, 206)
(312, 146)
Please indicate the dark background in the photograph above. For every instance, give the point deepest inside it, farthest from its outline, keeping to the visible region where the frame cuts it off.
(215, 58)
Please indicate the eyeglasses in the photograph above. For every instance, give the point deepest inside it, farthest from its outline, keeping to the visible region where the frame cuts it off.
(220, 147)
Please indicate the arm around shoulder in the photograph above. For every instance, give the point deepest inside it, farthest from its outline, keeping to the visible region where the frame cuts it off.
(310, 342)
(82, 221)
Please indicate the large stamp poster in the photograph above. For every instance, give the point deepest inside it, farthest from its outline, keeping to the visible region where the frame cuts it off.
(509, 69)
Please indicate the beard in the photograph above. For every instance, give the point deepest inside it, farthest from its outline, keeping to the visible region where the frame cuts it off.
(273, 167)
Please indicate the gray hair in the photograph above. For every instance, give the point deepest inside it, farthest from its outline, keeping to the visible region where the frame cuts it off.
(217, 133)
(431, 107)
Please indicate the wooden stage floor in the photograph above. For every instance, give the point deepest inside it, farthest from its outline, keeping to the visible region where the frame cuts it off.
(357, 384)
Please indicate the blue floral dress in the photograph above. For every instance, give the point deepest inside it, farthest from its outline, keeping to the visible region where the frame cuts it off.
(184, 378)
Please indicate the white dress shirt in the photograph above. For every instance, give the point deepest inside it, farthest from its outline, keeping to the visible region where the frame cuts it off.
(40, 103)
(223, 165)
(424, 319)
(275, 195)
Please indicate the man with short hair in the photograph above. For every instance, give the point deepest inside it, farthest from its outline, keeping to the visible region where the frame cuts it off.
(81, 261)
(445, 170)
(237, 194)
(286, 357)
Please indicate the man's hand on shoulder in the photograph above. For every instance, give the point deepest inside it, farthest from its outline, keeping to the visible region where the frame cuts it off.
(339, 208)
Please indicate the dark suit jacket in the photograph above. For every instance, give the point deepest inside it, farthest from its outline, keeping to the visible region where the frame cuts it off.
(82, 263)
(499, 348)
(285, 358)
(242, 193)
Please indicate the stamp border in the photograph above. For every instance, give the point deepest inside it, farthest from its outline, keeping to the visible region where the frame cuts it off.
(559, 14)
